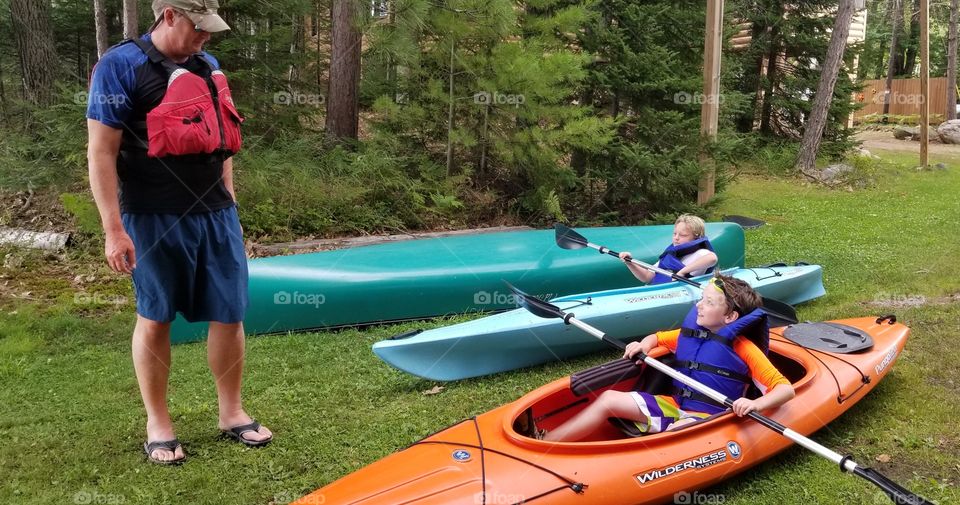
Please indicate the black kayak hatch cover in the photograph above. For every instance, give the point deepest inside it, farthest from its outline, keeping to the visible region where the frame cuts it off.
(747, 223)
(829, 337)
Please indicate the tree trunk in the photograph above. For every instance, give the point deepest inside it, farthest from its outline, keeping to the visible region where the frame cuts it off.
(453, 99)
(766, 105)
(952, 62)
(319, 64)
(3, 93)
(750, 84)
(911, 61)
(34, 39)
(881, 54)
(813, 130)
(100, 23)
(82, 77)
(343, 105)
(130, 27)
(896, 16)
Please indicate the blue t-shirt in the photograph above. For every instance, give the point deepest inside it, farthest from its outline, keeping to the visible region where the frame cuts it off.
(124, 87)
(120, 77)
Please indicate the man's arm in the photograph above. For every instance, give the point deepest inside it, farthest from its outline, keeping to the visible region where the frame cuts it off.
(228, 177)
(102, 150)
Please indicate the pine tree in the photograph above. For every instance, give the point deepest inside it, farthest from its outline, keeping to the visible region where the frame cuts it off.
(647, 73)
(487, 89)
(793, 41)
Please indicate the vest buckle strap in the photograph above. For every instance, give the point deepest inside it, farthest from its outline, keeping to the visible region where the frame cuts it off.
(706, 335)
(722, 372)
(701, 334)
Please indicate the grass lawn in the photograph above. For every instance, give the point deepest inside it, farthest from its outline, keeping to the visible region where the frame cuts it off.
(72, 422)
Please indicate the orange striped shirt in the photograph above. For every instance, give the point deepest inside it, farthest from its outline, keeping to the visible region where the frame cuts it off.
(764, 374)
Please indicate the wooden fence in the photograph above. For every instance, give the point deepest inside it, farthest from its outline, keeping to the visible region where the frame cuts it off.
(905, 98)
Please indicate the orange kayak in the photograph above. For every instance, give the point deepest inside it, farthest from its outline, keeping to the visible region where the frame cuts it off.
(484, 460)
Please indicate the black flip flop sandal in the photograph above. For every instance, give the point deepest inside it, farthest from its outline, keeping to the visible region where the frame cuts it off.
(170, 445)
(236, 433)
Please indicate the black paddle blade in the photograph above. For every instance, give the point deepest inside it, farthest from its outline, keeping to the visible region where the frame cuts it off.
(897, 493)
(779, 313)
(569, 239)
(534, 305)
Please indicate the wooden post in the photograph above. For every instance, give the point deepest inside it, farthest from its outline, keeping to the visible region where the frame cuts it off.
(710, 106)
(924, 80)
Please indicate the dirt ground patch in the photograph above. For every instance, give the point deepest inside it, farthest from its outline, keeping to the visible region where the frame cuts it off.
(35, 211)
(882, 140)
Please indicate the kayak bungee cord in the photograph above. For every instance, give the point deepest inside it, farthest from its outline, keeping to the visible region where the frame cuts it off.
(572, 485)
(864, 379)
(897, 493)
(483, 462)
(771, 276)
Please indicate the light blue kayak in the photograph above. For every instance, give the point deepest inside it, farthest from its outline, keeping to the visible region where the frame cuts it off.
(517, 339)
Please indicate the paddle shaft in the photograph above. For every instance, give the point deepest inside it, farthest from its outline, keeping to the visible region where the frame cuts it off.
(775, 308)
(672, 275)
(846, 464)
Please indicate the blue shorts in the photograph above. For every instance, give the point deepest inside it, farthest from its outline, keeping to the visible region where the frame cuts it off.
(194, 264)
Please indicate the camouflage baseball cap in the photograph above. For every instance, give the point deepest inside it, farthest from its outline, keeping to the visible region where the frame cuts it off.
(203, 13)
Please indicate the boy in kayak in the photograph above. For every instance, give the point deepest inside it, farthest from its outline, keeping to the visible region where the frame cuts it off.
(690, 254)
(722, 343)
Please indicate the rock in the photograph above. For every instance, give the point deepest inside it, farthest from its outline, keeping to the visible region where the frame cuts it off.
(832, 173)
(434, 390)
(940, 166)
(913, 133)
(906, 133)
(949, 131)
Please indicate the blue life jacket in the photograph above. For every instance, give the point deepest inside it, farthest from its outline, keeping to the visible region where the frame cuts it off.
(670, 258)
(709, 358)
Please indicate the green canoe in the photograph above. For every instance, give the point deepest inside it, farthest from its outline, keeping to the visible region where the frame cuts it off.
(441, 276)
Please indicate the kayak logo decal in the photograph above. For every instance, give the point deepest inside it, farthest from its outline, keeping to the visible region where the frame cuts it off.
(892, 355)
(734, 449)
(703, 461)
(461, 455)
(660, 296)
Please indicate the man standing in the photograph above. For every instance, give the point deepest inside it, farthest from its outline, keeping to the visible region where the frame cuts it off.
(162, 133)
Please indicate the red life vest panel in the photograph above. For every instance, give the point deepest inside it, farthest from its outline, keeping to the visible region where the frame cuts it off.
(196, 115)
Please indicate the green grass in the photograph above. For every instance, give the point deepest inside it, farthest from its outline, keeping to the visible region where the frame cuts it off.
(72, 422)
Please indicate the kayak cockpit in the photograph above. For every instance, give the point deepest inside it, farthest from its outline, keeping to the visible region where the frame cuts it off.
(624, 375)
